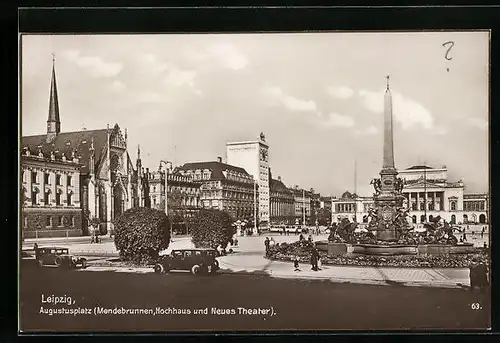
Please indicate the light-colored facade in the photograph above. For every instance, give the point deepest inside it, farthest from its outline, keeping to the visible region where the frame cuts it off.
(282, 203)
(224, 187)
(428, 194)
(50, 196)
(253, 156)
(302, 205)
(183, 194)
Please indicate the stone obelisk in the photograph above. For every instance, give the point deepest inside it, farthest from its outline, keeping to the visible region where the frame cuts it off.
(386, 200)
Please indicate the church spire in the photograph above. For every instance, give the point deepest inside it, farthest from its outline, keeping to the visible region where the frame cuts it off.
(53, 121)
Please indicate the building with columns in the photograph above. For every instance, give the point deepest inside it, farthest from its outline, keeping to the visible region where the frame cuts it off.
(428, 194)
(50, 195)
(253, 157)
(282, 202)
(106, 183)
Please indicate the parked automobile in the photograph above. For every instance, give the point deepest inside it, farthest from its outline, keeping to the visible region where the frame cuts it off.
(197, 261)
(58, 257)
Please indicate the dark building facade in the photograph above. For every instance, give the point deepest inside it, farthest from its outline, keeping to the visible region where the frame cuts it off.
(282, 203)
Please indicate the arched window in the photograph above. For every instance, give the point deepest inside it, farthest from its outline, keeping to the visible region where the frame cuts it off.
(453, 219)
(414, 219)
(422, 218)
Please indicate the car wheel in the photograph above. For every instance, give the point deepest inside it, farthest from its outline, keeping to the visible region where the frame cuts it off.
(195, 270)
(158, 268)
(58, 261)
(84, 263)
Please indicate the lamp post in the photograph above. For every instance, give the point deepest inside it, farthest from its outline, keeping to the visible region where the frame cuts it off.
(166, 191)
(255, 206)
(303, 208)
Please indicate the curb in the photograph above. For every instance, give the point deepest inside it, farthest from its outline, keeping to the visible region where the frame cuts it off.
(436, 284)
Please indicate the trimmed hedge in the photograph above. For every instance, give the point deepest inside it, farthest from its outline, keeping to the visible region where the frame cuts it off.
(141, 233)
(287, 252)
(211, 228)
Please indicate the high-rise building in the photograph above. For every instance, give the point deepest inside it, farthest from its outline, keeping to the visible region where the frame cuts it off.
(253, 156)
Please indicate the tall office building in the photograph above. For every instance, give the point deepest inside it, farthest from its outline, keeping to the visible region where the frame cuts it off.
(253, 156)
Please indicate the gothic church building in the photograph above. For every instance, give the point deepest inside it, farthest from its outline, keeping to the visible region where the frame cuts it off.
(68, 178)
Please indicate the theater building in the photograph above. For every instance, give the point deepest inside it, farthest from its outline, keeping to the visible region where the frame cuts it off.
(428, 193)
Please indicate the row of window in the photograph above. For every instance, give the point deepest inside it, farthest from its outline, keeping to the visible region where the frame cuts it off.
(55, 221)
(46, 178)
(46, 199)
(474, 205)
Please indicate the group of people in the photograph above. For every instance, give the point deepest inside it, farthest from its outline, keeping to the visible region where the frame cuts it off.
(314, 259)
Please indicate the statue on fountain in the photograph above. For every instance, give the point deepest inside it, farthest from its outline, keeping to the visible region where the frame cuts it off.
(439, 231)
(377, 185)
(342, 232)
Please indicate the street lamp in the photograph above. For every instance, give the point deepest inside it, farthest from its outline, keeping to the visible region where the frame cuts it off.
(166, 192)
(255, 206)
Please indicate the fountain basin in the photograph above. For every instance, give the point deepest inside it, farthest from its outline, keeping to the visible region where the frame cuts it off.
(332, 248)
(385, 250)
(443, 249)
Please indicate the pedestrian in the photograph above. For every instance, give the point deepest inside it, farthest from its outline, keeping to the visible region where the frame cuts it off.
(296, 264)
(301, 237)
(461, 239)
(310, 239)
(37, 252)
(314, 259)
(272, 242)
(235, 242)
(465, 237)
(266, 243)
(284, 232)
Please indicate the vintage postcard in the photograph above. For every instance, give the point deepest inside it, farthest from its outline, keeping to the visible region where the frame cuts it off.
(254, 182)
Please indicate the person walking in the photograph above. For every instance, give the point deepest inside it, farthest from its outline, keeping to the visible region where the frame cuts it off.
(266, 243)
(314, 259)
(296, 264)
(301, 237)
(310, 239)
(37, 251)
(482, 232)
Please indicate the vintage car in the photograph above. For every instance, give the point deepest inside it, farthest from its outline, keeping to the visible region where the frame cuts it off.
(197, 261)
(58, 257)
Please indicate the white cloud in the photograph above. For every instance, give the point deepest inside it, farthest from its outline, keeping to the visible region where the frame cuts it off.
(290, 102)
(342, 92)
(406, 111)
(229, 56)
(94, 65)
(370, 130)
(117, 86)
(151, 97)
(478, 123)
(339, 120)
(177, 77)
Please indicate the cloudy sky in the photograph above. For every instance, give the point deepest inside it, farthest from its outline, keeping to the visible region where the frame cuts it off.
(318, 97)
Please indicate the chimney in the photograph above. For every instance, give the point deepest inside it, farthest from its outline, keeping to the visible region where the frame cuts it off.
(219, 159)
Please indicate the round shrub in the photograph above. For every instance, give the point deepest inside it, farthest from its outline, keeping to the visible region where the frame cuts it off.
(211, 228)
(141, 233)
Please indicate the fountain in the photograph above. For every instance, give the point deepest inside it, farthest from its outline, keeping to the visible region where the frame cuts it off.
(388, 232)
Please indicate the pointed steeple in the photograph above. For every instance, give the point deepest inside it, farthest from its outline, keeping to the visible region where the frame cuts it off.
(139, 162)
(53, 121)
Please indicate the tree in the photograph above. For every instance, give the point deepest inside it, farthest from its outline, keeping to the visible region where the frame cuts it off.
(141, 233)
(324, 216)
(211, 228)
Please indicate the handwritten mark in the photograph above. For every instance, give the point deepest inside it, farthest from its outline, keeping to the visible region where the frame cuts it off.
(451, 43)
